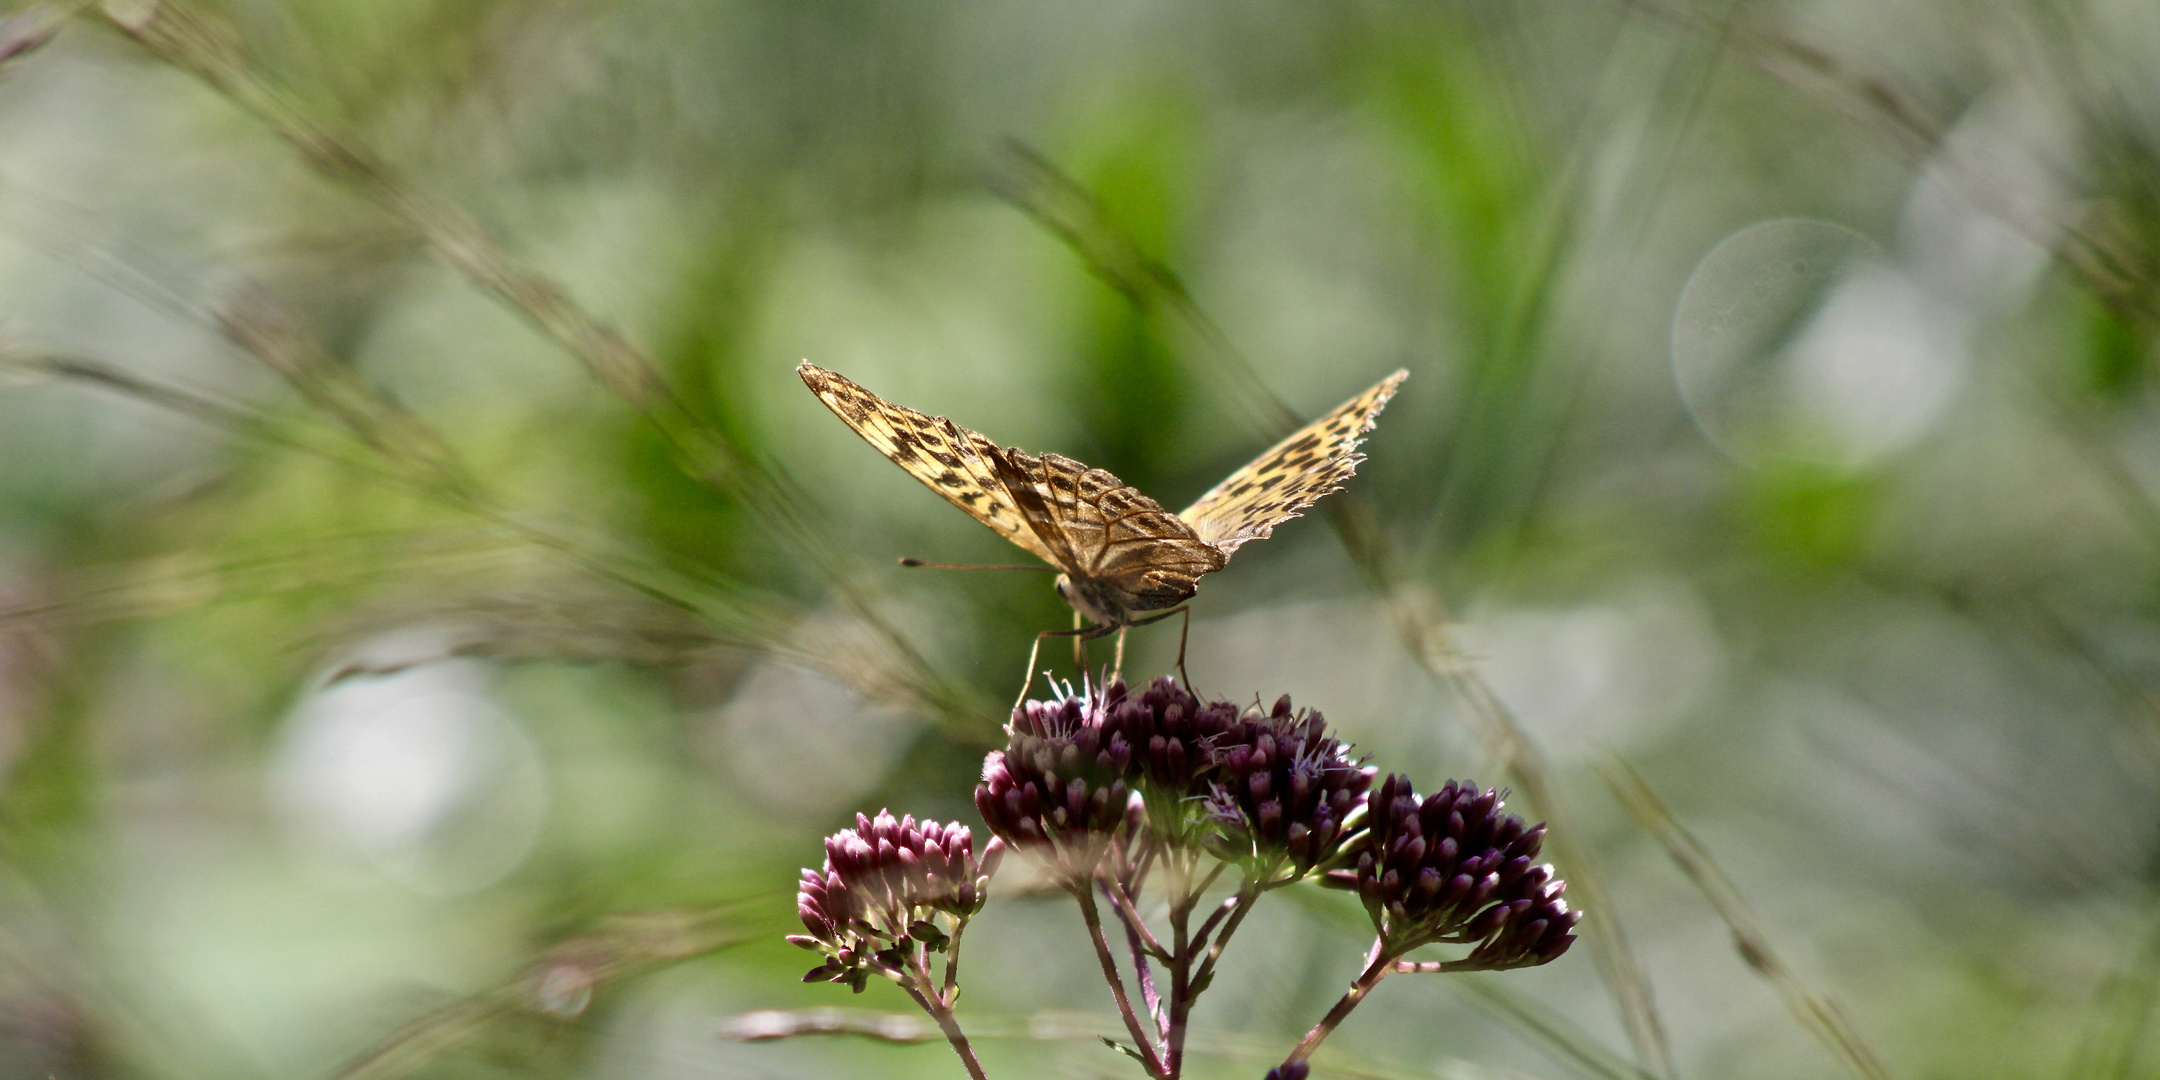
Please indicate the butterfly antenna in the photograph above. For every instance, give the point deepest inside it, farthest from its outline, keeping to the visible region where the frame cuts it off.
(913, 562)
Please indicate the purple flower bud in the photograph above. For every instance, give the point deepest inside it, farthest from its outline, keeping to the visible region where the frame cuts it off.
(1280, 789)
(1477, 884)
(882, 883)
(1061, 786)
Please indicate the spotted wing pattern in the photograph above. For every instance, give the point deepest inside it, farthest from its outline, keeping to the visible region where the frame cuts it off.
(959, 464)
(1100, 528)
(1291, 476)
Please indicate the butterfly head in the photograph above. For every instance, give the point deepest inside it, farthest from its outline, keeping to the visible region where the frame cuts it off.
(1100, 609)
(1082, 600)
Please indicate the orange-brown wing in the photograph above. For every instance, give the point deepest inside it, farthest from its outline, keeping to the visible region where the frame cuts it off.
(949, 459)
(1098, 526)
(1291, 476)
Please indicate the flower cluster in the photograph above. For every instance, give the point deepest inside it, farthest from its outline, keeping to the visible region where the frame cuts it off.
(1263, 789)
(1284, 789)
(883, 882)
(1452, 868)
(1059, 788)
(1123, 795)
(1174, 736)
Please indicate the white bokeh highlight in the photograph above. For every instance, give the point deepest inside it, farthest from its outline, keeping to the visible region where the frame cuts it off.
(1615, 670)
(417, 774)
(1805, 341)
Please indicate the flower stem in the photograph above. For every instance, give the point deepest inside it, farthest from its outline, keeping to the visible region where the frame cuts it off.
(1181, 986)
(1434, 967)
(941, 1012)
(1379, 964)
(1122, 905)
(1086, 895)
(1248, 892)
(952, 962)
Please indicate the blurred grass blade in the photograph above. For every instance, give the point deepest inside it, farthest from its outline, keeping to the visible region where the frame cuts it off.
(203, 44)
(2121, 1017)
(1065, 207)
(237, 419)
(167, 584)
(1560, 1036)
(253, 322)
(767, 1025)
(2098, 247)
(211, 49)
(27, 30)
(560, 983)
(1814, 1009)
(738, 616)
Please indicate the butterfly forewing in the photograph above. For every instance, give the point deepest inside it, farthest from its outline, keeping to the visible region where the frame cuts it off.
(949, 459)
(1291, 475)
(1122, 551)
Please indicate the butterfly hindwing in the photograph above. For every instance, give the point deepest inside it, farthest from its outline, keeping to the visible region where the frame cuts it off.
(1290, 476)
(1100, 528)
(949, 459)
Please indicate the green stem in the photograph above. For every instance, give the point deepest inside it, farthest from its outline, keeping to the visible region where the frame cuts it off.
(952, 962)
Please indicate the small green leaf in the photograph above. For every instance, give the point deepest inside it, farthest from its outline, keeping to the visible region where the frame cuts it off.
(1122, 1049)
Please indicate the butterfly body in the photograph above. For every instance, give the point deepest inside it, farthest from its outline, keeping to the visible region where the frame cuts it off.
(1121, 555)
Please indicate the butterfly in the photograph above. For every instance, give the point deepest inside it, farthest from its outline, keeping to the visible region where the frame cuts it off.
(1119, 554)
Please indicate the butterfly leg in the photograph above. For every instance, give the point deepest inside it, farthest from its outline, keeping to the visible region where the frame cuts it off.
(1181, 609)
(1184, 629)
(1035, 650)
(1117, 666)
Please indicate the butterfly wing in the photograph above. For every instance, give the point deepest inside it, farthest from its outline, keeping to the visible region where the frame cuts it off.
(1291, 476)
(1105, 533)
(959, 464)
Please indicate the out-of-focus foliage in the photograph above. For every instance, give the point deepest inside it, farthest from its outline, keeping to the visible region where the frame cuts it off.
(437, 624)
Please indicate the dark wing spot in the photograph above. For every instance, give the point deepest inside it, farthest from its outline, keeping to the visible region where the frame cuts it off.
(950, 479)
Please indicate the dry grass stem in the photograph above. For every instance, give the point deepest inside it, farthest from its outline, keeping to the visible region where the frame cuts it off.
(560, 983)
(1813, 1008)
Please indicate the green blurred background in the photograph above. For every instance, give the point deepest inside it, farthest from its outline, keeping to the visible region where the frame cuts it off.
(438, 624)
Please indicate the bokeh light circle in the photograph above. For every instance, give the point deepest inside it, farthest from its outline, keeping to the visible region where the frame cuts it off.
(1798, 340)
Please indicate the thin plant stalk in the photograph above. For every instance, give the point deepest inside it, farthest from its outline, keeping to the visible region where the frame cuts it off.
(938, 1004)
(1146, 1045)
(1379, 965)
(1814, 1009)
(1189, 958)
